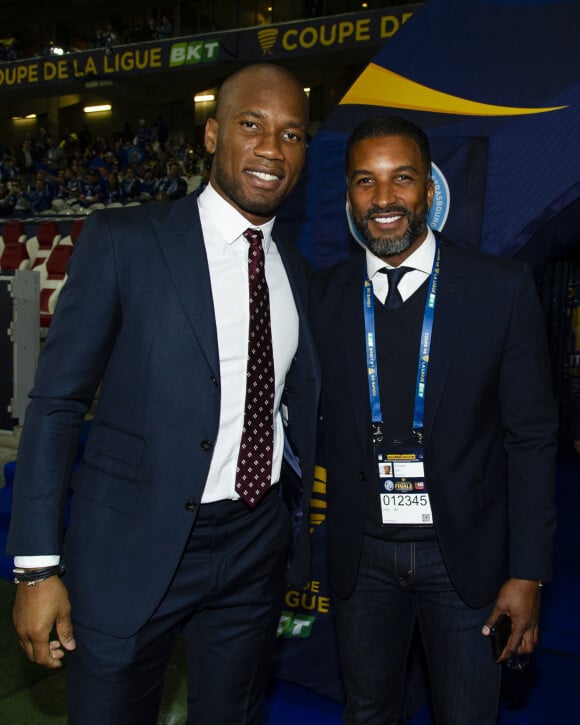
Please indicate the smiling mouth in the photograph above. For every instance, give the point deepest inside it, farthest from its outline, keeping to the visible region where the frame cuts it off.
(388, 219)
(264, 176)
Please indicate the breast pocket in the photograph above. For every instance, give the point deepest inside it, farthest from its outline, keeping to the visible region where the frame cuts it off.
(110, 472)
(114, 451)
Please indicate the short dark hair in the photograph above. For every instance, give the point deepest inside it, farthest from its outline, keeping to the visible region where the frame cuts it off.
(391, 126)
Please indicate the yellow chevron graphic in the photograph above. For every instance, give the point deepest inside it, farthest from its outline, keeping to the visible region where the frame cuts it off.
(318, 500)
(378, 86)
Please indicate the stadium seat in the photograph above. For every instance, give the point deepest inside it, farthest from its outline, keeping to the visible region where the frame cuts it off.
(13, 251)
(75, 230)
(46, 237)
(52, 278)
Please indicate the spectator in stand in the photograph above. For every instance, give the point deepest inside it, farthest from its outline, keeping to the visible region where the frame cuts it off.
(8, 169)
(55, 157)
(194, 178)
(65, 190)
(131, 185)
(14, 51)
(110, 37)
(144, 134)
(6, 200)
(39, 198)
(49, 183)
(148, 185)
(91, 190)
(21, 203)
(113, 193)
(160, 164)
(165, 28)
(99, 39)
(43, 138)
(173, 186)
(103, 174)
(25, 162)
(74, 184)
(151, 31)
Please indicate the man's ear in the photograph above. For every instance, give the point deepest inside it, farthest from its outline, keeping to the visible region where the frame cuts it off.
(210, 135)
(430, 193)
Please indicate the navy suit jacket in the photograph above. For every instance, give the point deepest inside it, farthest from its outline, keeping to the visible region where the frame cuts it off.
(136, 318)
(490, 422)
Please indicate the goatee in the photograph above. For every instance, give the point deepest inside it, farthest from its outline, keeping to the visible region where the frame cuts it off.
(391, 245)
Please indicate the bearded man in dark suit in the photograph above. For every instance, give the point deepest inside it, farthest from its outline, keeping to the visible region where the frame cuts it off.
(439, 427)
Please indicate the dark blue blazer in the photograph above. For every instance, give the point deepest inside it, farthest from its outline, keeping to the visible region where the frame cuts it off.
(490, 422)
(135, 326)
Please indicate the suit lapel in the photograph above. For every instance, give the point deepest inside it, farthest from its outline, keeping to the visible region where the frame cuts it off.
(180, 239)
(297, 277)
(354, 347)
(448, 310)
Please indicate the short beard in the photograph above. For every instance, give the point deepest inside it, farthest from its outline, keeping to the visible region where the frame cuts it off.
(234, 192)
(389, 246)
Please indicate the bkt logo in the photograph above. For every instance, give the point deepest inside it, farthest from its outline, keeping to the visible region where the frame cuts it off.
(198, 51)
(295, 626)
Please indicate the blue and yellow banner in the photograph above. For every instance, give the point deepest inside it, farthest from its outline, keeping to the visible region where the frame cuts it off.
(268, 42)
(496, 86)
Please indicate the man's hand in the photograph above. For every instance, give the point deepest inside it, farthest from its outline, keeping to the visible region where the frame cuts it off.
(38, 610)
(520, 599)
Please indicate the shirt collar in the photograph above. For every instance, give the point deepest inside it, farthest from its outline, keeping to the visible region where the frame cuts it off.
(421, 259)
(221, 221)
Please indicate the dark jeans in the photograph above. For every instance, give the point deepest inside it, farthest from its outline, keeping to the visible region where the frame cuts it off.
(225, 600)
(398, 585)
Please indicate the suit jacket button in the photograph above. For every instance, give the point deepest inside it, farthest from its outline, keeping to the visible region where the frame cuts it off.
(213, 379)
(190, 506)
(206, 445)
(362, 475)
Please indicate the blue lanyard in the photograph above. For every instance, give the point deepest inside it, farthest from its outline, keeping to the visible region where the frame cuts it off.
(424, 347)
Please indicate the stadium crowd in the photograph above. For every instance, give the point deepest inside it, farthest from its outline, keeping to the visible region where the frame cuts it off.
(77, 172)
(139, 30)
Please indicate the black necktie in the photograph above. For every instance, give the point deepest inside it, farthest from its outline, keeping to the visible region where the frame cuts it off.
(254, 469)
(395, 275)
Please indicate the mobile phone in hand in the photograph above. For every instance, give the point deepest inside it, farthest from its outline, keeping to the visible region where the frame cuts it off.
(500, 633)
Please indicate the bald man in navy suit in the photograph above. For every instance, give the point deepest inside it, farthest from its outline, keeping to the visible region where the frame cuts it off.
(156, 312)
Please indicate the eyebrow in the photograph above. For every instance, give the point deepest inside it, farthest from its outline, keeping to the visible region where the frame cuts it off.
(398, 170)
(261, 115)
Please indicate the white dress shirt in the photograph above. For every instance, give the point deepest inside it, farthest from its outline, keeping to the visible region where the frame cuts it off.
(227, 254)
(420, 262)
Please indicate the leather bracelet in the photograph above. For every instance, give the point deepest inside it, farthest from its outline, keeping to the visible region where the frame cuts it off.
(34, 576)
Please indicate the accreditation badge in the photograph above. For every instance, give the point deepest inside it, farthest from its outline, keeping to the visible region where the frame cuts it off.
(403, 496)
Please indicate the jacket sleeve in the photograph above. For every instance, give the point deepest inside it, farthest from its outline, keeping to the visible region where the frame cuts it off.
(81, 337)
(529, 420)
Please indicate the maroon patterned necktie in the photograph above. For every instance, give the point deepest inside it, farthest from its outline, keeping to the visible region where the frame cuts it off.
(254, 469)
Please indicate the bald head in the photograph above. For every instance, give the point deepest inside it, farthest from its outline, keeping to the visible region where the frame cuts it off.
(267, 74)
